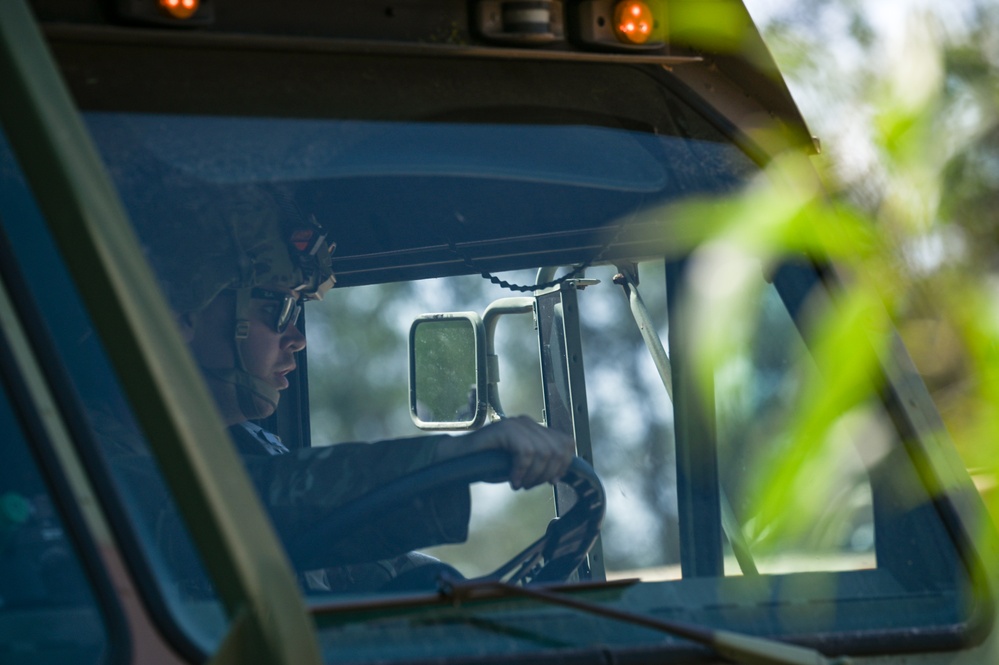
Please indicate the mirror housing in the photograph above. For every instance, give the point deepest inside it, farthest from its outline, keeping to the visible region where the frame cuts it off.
(447, 371)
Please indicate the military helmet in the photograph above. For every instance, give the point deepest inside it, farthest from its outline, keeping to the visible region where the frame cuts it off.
(238, 238)
(219, 236)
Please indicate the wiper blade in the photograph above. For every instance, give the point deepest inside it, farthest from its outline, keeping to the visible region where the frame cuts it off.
(739, 648)
(735, 647)
(381, 603)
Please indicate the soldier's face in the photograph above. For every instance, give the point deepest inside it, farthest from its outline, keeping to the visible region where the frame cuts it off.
(268, 355)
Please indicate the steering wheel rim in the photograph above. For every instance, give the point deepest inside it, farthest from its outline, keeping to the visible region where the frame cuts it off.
(568, 539)
(562, 548)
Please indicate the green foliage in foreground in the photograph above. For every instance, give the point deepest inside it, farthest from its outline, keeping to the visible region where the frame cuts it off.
(904, 206)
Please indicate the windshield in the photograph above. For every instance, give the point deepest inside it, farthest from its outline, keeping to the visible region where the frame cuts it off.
(238, 216)
(857, 552)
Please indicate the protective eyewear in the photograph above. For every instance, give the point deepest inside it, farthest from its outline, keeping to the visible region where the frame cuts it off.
(287, 311)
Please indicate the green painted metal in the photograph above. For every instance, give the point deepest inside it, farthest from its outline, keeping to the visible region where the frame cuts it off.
(270, 623)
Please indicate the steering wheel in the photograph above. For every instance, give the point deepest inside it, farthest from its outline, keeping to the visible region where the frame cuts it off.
(553, 557)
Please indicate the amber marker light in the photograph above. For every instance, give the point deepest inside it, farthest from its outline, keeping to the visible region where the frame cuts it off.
(633, 21)
(180, 8)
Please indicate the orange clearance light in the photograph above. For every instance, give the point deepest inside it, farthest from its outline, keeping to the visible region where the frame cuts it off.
(181, 9)
(633, 21)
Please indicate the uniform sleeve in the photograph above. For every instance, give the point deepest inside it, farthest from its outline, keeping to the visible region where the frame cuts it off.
(305, 487)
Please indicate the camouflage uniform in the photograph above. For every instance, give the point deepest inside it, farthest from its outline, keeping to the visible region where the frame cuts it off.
(299, 489)
(303, 486)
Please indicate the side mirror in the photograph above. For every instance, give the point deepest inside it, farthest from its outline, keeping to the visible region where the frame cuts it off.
(447, 371)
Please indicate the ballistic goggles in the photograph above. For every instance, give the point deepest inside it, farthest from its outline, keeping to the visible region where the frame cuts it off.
(287, 311)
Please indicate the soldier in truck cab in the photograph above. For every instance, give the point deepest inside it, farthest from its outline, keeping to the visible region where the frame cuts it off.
(237, 292)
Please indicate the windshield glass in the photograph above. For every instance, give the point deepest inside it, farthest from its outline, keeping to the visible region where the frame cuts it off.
(860, 553)
(239, 217)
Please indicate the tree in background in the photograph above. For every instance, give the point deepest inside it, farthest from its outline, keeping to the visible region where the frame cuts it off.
(905, 102)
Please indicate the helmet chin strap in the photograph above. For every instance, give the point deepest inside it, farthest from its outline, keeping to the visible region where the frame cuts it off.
(250, 390)
(252, 394)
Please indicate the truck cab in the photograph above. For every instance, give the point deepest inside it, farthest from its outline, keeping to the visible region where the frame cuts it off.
(551, 209)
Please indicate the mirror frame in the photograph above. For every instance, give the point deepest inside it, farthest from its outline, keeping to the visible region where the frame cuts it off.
(481, 378)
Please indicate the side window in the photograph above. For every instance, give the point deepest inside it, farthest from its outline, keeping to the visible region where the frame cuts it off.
(48, 612)
(757, 394)
(157, 545)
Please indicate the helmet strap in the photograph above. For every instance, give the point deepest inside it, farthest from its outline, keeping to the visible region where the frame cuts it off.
(249, 389)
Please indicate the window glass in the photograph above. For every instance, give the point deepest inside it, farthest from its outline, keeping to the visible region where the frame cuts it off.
(48, 612)
(196, 180)
(758, 390)
(155, 540)
(235, 216)
(841, 557)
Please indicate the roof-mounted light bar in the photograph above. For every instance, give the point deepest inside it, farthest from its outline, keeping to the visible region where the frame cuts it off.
(180, 9)
(633, 21)
(167, 12)
(621, 25)
(526, 22)
(606, 25)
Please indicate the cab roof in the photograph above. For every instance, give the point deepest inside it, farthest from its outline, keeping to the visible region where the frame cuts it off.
(713, 48)
(698, 107)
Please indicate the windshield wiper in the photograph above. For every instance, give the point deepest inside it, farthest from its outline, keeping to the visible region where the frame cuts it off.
(739, 648)
(736, 647)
